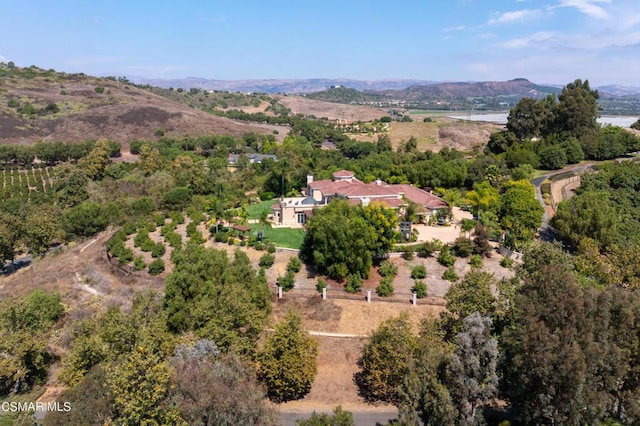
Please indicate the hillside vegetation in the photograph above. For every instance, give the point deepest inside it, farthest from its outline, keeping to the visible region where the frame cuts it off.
(37, 104)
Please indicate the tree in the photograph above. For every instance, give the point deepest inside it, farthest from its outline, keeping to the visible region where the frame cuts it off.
(425, 392)
(472, 370)
(384, 222)
(150, 160)
(577, 110)
(386, 359)
(287, 363)
(139, 384)
(91, 403)
(95, 163)
(472, 294)
(483, 197)
(526, 119)
(587, 215)
(264, 222)
(25, 326)
(11, 232)
(226, 302)
(481, 244)
(545, 365)
(210, 388)
(84, 220)
(383, 143)
(339, 241)
(552, 157)
(520, 211)
(41, 229)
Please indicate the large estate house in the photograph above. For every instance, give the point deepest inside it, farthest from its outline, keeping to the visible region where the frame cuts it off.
(291, 211)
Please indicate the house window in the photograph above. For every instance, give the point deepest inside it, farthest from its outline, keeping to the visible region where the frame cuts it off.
(302, 218)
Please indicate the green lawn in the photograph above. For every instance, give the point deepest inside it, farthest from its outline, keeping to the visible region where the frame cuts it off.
(255, 210)
(281, 237)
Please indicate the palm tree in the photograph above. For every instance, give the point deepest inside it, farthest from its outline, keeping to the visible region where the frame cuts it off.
(264, 221)
(483, 197)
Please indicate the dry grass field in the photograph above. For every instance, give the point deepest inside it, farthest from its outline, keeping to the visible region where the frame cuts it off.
(433, 136)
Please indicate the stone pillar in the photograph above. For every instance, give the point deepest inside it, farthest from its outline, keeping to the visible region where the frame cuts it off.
(279, 292)
(324, 293)
(414, 300)
(368, 295)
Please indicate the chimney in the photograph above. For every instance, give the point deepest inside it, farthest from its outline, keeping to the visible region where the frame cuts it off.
(378, 182)
(309, 179)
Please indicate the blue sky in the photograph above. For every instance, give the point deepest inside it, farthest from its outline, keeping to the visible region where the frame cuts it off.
(553, 41)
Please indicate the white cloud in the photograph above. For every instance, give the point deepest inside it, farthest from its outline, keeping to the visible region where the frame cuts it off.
(539, 38)
(517, 15)
(455, 28)
(588, 7)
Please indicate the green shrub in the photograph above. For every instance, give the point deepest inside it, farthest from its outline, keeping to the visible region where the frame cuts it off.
(354, 283)
(428, 248)
(174, 239)
(196, 215)
(450, 275)
(221, 237)
(463, 247)
(126, 256)
(475, 261)
(385, 288)
(272, 248)
(258, 246)
(158, 219)
(158, 250)
(407, 254)
(419, 272)
(321, 284)
(294, 265)
(130, 227)
(266, 260)
(387, 269)
(506, 262)
(99, 89)
(176, 217)
(141, 237)
(156, 267)
(420, 289)
(288, 281)
(147, 245)
(139, 263)
(446, 258)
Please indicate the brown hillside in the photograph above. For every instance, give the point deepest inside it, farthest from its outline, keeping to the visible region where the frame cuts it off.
(331, 110)
(122, 112)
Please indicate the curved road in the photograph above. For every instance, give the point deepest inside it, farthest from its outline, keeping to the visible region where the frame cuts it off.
(547, 233)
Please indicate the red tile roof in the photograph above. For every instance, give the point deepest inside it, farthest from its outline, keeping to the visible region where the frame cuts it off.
(343, 173)
(420, 196)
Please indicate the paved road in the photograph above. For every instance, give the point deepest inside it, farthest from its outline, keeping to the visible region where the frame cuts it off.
(367, 418)
(546, 232)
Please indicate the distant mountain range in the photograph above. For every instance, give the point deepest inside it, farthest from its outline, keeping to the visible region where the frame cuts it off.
(279, 86)
(518, 86)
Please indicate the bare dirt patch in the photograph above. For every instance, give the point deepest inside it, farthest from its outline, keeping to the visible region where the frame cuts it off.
(331, 110)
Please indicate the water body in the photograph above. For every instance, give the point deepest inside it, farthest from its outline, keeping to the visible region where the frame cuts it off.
(501, 118)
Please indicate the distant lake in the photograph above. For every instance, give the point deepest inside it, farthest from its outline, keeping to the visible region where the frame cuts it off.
(501, 118)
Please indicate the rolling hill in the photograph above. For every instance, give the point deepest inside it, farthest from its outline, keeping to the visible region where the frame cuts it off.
(37, 104)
